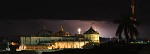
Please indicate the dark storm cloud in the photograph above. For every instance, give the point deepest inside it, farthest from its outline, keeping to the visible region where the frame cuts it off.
(64, 9)
(79, 10)
(29, 27)
(29, 17)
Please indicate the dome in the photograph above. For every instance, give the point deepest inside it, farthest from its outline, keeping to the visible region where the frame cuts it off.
(44, 33)
(61, 32)
(91, 31)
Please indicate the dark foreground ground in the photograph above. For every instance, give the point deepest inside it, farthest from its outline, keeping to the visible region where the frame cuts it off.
(107, 48)
(19, 52)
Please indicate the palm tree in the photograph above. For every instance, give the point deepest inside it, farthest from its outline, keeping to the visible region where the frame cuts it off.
(127, 26)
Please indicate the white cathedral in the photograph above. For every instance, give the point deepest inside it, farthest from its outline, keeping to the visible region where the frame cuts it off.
(45, 40)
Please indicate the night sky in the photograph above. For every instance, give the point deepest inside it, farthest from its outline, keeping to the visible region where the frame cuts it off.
(29, 17)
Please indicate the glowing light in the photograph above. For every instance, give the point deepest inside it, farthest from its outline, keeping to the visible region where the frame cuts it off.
(49, 47)
(142, 41)
(13, 43)
(79, 31)
(132, 42)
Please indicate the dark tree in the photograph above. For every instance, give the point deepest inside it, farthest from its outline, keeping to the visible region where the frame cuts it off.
(127, 27)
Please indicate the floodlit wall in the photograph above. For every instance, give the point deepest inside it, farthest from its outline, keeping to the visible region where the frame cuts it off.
(36, 40)
(69, 44)
(92, 37)
(56, 45)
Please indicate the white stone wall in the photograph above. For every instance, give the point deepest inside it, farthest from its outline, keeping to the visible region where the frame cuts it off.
(92, 37)
(69, 44)
(57, 45)
(36, 40)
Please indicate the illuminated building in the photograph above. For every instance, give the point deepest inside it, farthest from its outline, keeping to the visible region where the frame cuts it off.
(92, 35)
(45, 40)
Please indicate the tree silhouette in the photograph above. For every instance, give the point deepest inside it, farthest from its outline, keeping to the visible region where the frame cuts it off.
(127, 26)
